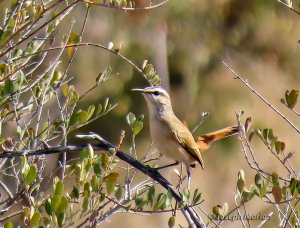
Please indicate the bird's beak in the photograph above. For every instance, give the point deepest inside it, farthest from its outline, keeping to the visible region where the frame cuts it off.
(138, 90)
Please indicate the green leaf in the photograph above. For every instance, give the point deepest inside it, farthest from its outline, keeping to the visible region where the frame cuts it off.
(74, 120)
(241, 181)
(291, 98)
(73, 95)
(149, 70)
(17, 52)
(60, 219)
(91, 111)
(104, 161)
(247, 194)
(58, 187)
(85, 168)
(268, 136)
(65, 90)
(186, 195)
(8, 225)
(217, 211)
(63, 205)
(137, 126)
(85, 203)
(111, 151)
(275, 179)
(97, 168)
(111, 181)
(141, 117)
(279, 147)
(99, 109)
(35, 219)
(196, 197)
(86, 189)
(293, 186)
(55, 202)
(30, 175)
(105, 105)
(95, 183)
(84, 154)
(50, 27)
(118, 193)
(5, 34)
(258, 180)
(139, 203)
(151, 194)
(83, 116)
(102, 197)
(48, 206)
(130, 118)
(171, 222)
(73, 39)
(168, 199)
(75, 193)
(160, 202)
(263, 190)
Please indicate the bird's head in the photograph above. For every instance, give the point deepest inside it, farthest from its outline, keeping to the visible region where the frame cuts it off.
(157, 98)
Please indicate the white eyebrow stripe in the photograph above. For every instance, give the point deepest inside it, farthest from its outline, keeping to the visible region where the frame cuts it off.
(156, 89)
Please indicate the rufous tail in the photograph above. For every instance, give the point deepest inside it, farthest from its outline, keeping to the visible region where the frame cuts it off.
(204, 141)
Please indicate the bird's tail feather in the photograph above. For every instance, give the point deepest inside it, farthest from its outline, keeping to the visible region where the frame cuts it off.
(204, 141)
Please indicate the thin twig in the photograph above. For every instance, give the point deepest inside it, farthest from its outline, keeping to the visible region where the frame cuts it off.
(245, 82)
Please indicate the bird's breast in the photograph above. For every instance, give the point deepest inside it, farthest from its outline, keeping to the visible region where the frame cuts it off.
(163, 140)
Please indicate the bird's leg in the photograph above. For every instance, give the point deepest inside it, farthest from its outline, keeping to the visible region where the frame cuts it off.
(166, 166)
(188, 172)
(180, 177)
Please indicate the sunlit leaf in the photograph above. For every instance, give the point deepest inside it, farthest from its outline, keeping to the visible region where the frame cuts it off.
(63, 205)
(130, 117)
(55, 202)
(8, 225)
(58, 187)
(171, 222)
(73, 39)
(111, 181)
(35, 219)
(95, 183)
(30, 175)
(137, 126)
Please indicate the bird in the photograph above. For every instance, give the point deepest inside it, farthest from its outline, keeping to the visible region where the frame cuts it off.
(171, 137)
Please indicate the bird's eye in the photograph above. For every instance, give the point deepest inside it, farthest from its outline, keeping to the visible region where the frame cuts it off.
(155, 93)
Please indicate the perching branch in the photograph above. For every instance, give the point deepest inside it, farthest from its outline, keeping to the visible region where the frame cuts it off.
(196, 220)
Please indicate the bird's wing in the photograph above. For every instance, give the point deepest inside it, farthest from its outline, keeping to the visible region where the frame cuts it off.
(186, 140)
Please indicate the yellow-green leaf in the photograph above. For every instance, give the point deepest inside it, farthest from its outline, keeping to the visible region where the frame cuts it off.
(35, 219)
(30, 175)
(8, 225)
(73, 39)
(111, 181)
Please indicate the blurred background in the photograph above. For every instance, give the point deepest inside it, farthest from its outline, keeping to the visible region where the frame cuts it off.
(185, 41)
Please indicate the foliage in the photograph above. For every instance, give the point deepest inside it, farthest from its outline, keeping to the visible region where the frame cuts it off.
(39, 109)
(33, 84)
